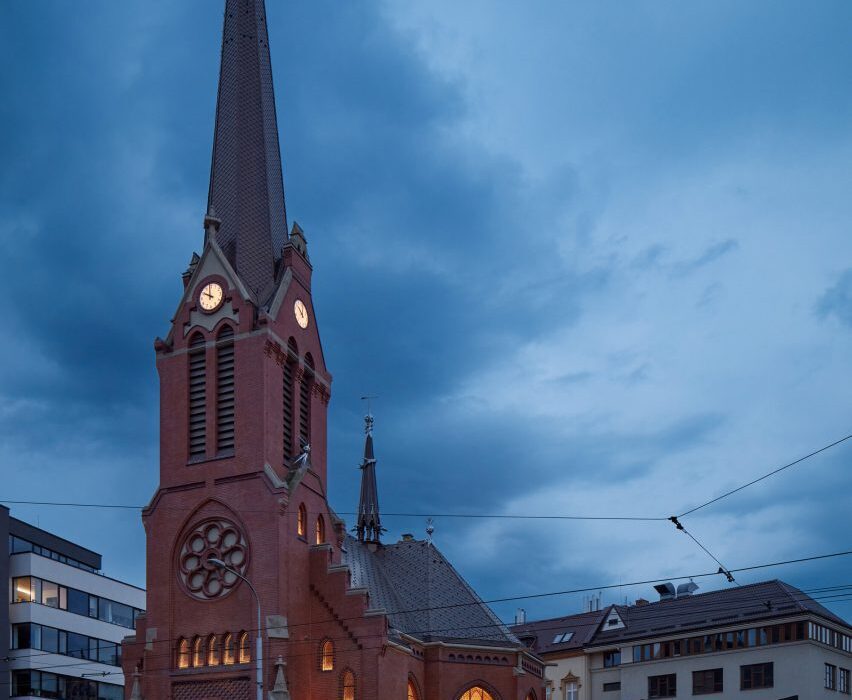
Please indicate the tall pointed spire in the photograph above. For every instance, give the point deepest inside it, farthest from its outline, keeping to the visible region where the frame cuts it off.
(246, 185)
(369, 526)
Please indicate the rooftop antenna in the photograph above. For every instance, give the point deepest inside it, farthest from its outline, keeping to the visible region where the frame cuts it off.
(430, 528)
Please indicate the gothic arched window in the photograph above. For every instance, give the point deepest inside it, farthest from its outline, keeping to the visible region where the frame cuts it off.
(476, 693)
(289, 396)
(197, 397)
(327, 655)
(245, 650)
(225, 389)
(212, 650)
(412, 690)
(183, 653)
(347, 686)
(197, 652)
(302, 521)
(320, 530)
(228, 656)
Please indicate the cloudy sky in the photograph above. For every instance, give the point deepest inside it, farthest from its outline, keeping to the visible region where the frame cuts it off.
(594, 258)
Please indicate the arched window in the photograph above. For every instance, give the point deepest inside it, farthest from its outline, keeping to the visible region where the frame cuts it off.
(183, 653)
(302, 521)
(225, 389)
(571, 692)
(531, 695)
(476, 693)
(305, 386)
(197, 397)
(327, 655)
(245, 649)
(289, 396)
(197, 652)
(347, 686)
(212, 650)
(228, 656)
(320, 530)
(412, 690)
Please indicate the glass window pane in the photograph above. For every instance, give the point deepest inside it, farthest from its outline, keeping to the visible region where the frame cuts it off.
(78, 602)
(78, 645)
(107, 691)
(22, 590)
(50, 639)
(93, 606)
(50, 594)
(122, 615)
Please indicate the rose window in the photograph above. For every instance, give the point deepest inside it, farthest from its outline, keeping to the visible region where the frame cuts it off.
(212, 539)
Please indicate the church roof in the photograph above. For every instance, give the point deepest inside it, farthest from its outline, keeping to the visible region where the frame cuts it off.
(246, 184)
(423, 595)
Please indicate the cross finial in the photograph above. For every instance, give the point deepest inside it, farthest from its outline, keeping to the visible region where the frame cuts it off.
(368, 419)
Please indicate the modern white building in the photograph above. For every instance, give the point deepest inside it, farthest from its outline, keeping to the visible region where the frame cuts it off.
(65, 620)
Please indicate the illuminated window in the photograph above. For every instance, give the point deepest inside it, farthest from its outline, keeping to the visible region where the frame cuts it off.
(477, 693)
(183, 653)
(197, 652)
(245, 651)
(302, 521)
(348, 686)
(25, 589)
(327, 656)
(320, 530)
(412, 691)
(530, 695)
(228, 656)
(212, 651)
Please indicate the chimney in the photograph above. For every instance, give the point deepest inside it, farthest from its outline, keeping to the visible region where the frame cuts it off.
(641, 601)
(520, 616)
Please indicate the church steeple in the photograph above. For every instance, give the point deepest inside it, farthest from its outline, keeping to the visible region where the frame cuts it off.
(369, 526)
(246, 197)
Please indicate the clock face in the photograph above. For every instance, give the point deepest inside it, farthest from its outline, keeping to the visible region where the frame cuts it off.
(301, 313)
(211, 297)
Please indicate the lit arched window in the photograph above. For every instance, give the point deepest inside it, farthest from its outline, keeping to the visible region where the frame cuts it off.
(302, 521)
(197, 652)
(320, 530)
(348, 686)
(245, 651)
(197, 397)
(477, 693)
(327, 655)
(531, 696)
(412, 690)
(212, 650)
(228, 656)
(183, 653)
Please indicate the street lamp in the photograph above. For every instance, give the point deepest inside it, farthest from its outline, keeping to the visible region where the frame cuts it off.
(219, 564)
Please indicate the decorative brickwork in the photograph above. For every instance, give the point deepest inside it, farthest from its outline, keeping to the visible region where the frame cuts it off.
(217, 538)
(231, 689)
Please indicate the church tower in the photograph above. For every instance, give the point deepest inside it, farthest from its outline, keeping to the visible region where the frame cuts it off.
(253, 582)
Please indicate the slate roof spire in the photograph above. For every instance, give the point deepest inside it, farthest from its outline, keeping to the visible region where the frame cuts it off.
(369, 526)
(246, 184)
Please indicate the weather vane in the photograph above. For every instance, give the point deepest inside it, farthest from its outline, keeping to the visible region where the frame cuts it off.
(368, 419)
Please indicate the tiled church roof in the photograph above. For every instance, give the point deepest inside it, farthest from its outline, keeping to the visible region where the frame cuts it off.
(424, 596)
(246, 184)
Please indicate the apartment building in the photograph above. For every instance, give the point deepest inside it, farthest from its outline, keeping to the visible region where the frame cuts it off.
(65, 620)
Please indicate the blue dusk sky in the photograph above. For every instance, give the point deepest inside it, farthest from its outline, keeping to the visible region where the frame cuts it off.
(594, 257)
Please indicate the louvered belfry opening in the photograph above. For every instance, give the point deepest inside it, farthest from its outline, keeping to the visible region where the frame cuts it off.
(289, 395)
(197, 397)
(305, 386)
(225, 390)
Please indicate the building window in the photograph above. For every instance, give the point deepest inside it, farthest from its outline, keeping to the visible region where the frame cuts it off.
(212, 650)
(615, 685)
(662, 686)
(709, 681)
(52, 685)
(843, 678)
(197, 397)
(412, 691)
(225, 390)
(197, 652)
(476, 693)
(302, 521)
(289, 395)
(183, 653)
(320, 530)
(348, 686)
(831, 676)
(327, 655)
(228, 656)
(612, 658)
(530, 696)
(756, 676)
(245, 651)
(571, 691)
